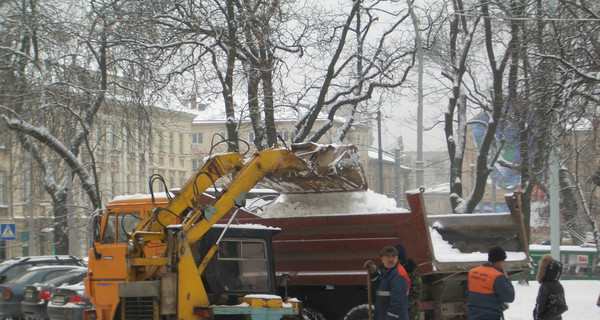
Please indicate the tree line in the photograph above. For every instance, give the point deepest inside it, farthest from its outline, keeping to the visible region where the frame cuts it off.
(523, 72)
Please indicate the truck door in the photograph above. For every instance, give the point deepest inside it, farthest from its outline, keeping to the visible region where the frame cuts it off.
(106, 268)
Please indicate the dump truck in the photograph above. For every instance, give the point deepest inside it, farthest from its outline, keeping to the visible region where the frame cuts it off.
(317, 258)
(324, 254)
(165, 256)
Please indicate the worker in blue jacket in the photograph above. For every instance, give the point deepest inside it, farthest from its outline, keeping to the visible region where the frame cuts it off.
(489, 288)
(393, 283)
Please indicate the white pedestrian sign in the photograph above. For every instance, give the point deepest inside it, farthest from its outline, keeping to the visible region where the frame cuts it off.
(7, 231)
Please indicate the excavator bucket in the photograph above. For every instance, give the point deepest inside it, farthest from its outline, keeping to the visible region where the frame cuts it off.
(325, 168)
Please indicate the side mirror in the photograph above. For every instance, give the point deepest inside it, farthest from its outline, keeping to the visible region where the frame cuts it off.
(96, 225)
(283, 283)
(284, 280)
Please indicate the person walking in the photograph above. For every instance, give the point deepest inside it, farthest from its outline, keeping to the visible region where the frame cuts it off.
(550, 302)
(489, 288)
(391, 302)
(416, 283)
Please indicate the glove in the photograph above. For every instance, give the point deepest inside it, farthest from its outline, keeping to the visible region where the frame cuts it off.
(370, 266)
(505, 306)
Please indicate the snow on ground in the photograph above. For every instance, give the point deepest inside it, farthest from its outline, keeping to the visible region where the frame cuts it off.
(290, 205)
(581, 296)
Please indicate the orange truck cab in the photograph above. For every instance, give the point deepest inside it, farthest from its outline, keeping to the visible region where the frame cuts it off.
(106, 266)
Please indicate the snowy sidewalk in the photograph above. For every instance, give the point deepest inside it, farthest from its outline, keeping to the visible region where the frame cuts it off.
(581, 296)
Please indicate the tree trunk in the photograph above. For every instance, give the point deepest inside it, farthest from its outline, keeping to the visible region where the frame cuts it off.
(61, 225)
(267, 82)
(257, 125)
(570, 207)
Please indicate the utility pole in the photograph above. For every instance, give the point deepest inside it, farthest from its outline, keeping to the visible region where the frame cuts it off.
(553, 168)
(31, 245)
(379, 151)
(419, 163)
(397, 173)
(554, 203)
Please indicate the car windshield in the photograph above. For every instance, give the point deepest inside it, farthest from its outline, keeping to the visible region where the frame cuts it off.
(6, 264)
(29, 276)
(73, 276)
(25, 277)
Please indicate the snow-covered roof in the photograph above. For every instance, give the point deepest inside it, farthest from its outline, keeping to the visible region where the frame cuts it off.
(386, 157)
(543, 247)
(438, 188)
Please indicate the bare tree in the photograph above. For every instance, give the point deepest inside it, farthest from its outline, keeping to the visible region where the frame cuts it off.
(383, 64)
(59, 60)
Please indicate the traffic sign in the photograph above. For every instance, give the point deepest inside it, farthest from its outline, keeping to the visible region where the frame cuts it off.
(7, 231)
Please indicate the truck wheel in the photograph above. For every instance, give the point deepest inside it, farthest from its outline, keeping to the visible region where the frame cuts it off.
(360, 312)
(309, 313)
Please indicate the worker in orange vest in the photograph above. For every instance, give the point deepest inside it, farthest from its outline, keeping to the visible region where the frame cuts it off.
(489, 288)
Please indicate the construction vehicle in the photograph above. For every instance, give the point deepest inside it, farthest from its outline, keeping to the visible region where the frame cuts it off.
(164, 257)
(324, 254)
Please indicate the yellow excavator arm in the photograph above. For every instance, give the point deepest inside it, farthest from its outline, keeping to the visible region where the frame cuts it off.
(214, 168)
(263, 163)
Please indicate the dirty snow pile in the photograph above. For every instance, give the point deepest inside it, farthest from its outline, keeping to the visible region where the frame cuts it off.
(290, 205)
(445, 252)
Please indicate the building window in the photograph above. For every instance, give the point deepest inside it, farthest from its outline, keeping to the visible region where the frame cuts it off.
(251, 137)
(182, 178)
(197, 138)
(180, 143)
(114, 137)
(2, 187)
(161, 142)
(24, 186)
(171, 142)
(196, 163)
(284, 135)
(172, 178)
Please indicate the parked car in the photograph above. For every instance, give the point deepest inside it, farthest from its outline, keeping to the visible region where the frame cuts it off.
(37, 295)
(9, 269)
(11, 292)
(68, 302)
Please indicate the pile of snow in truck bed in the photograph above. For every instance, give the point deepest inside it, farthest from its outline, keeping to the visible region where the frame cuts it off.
(445, 252)
(294, 205)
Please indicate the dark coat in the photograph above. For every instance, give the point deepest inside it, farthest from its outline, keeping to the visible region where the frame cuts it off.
(414, 293)
(549, 272)
(392, 296)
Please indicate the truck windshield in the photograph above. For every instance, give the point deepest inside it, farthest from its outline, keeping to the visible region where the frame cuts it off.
(243, 266)
(123, 226)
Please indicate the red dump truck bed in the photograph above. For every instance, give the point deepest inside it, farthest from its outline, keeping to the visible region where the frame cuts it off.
(328, 252)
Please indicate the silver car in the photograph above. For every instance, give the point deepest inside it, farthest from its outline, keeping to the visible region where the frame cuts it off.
(68, 302)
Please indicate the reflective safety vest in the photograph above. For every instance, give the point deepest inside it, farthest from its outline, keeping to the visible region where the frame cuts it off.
(403, 273)
(481, 279)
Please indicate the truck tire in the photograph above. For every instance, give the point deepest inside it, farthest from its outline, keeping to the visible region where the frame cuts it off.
(309, 313)
(360, 312)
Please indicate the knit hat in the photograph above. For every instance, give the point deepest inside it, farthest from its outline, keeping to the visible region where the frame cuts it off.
(496, 254)
(401, 252)
(388, 251)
